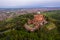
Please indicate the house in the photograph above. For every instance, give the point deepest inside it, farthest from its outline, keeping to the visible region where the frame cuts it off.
(37, 21)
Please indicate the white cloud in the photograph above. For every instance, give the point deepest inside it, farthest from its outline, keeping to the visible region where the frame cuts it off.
(26, 2)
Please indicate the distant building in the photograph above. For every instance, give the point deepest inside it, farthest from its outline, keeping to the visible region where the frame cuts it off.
(38, 12)
(8, 12)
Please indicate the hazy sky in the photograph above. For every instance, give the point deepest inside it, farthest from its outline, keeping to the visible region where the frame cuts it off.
(29, 3)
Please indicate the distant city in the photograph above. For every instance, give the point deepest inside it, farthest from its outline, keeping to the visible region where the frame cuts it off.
(12, 12)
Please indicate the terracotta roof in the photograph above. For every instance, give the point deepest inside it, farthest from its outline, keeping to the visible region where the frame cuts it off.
(39, 17)
(38, 20)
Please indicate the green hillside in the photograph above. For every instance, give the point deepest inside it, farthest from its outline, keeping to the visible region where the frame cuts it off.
(12, 28)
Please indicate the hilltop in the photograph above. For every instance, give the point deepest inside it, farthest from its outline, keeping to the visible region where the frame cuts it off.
(12, 28)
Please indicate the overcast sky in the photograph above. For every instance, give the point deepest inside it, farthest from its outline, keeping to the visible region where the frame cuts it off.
(29, 3)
